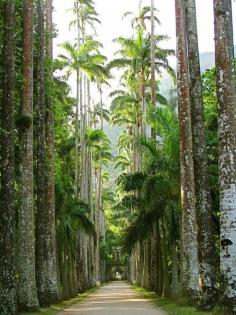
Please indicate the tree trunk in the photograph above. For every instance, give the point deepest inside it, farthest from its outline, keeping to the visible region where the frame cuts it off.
(226, 93)
(97, 225)
(41, 266)
(175, 259)
(65, 283)
(153, 258)
(174, 272)
(189, 232)
(78, 101)
(77, 134)
(166, 280)
(8, 298)
(70, 274)
(98, 202)
(84, 174)
(27, 293)
(153, 66)
(143, 98)
(90, 201)
(50, 293)
(159, 284)
(206, 241)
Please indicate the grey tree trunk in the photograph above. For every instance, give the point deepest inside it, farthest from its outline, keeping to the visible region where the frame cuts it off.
(159, 284)
(153, 278)
(47, 281)
(174, 272)
(8, 296)
(189, 231)
(90, 194)
(77, 134)
(166, 280)
(27, 293)
(226, 94)
(206, 240)
(64, 268)
(41, 269)
(98, 175)
(153, 66)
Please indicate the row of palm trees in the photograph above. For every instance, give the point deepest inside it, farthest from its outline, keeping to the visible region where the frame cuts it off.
(84, 58)
(53, 159)
(152, 182)
(18, 246)
(52, 155)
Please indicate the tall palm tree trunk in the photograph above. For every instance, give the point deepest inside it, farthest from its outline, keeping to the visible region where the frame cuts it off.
(8, 297)
(27, 293)
(77, 134)
(226, 94)
(48, 288)
(189, 231)
(92, 280)
(153, 79)
(98, 203)
(78, 84)
(166, 280)
(206, 241)
(40, 176)
(160, 276)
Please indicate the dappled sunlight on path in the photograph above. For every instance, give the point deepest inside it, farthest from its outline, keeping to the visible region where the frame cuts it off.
(116, 298)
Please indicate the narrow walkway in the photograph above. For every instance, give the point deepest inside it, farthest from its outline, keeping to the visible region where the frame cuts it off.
(116, 298)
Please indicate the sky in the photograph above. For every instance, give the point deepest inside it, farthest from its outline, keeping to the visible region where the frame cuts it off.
(111, 12)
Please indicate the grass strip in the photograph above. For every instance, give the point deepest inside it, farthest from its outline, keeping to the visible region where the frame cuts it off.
(170, 306)
(55, 308)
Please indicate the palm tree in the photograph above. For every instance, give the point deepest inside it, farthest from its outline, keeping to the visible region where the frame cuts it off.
(8, 294)
(226, 94)
(189, 231)
(100, 148)
(152, 212)
(46, 270)
(144, 14)
(206, 241)
(27, 292)
(71, 217)
(136, 61)
(89, 60)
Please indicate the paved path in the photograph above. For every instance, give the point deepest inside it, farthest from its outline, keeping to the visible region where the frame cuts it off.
(116, 298)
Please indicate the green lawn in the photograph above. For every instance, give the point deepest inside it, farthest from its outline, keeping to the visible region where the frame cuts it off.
(54, 309)
(170, 306)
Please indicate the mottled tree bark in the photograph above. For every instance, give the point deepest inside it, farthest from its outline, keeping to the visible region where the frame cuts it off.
(41, 268)
(8, 297)
(226, 93)
(98, 204)
(48, 290)
(78, 100)
(27, 293)
(92, 279)
(98, 174)
(189, 231)
(153, 66)
(83, 175)
(206, 240)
